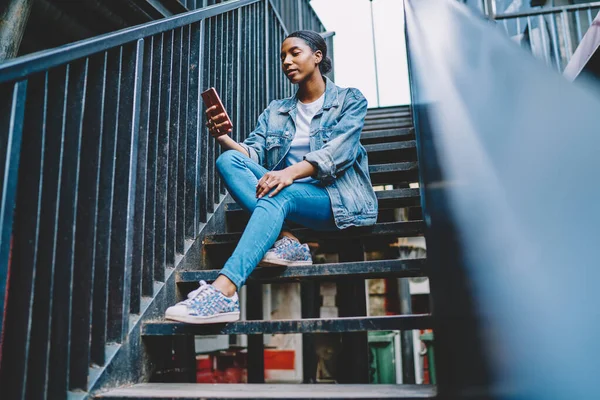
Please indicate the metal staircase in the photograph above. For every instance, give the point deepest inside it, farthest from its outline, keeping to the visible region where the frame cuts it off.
(389, 139)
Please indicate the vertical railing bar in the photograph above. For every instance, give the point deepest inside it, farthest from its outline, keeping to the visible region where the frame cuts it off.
(193, 131)
(9, 185)
(14, 125)
(238, 78)
(174, 148)
(113, 264)
(52, 315)
(88, 207)
(124, 183)
(105, 211)
(163, 159)
(70, 165)
(203, 137)
(267, 65)
(210, 202)
(589, 15)
(519, 26)
(40, 318)
(139, 270)
(555, 44)
(567, 34)
(221, 81)
(578, 23)
(183, 142)
(23, 246)
(173, 144)
(155, 95)
(547, 48)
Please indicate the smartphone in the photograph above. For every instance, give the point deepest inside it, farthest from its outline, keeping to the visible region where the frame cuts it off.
(211, 98)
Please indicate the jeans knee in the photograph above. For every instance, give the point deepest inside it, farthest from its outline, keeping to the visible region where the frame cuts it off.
(226, 159)
(277, 203)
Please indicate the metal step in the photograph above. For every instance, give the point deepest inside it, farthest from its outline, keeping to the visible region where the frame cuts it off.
(386, 110)
(394, 173)
(309, 325)
(391, 152)
(387, 135)
(387, 229)
(388, 117)
(388, 124)
(335, 271)
(197, 391)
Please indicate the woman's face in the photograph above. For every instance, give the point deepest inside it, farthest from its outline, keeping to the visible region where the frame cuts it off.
(298, 61)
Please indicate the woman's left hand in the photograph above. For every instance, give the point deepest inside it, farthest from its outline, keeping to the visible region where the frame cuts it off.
(276, 180)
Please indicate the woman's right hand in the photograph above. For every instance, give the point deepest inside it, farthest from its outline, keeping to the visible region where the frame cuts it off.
(217, 123)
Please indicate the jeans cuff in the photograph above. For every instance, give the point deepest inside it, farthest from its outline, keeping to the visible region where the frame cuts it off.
(237, 280)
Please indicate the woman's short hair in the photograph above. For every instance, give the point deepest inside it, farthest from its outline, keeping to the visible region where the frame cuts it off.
(315, 42)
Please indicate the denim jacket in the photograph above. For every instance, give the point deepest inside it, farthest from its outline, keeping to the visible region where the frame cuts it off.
(335, 150)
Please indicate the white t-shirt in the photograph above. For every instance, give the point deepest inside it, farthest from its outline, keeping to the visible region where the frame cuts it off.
(300, 144)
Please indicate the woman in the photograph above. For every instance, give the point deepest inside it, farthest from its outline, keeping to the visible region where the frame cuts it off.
(303, 163)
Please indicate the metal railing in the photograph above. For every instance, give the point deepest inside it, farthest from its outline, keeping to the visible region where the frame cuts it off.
(504, 146)
(552, 34)
(108, 176)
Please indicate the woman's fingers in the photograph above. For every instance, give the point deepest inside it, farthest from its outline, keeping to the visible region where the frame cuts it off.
(278, 189)
(264, 185)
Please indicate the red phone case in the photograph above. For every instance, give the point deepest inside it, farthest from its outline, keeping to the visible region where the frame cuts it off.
(211, 98)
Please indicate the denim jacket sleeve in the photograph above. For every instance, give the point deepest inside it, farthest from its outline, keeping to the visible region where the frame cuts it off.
(340, 151)
(255, 143)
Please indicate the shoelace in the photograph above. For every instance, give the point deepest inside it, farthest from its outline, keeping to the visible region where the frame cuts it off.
(202, 291)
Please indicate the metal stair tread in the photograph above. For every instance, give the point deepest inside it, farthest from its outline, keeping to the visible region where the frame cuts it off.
(373, 136)
(307, 325)
(372, 126)
(359, 269)
(377, 147)
(395, 198)
(270, 391)
(390, 173)
(406, 228)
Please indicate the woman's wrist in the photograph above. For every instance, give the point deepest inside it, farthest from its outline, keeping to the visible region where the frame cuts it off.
(301, 170)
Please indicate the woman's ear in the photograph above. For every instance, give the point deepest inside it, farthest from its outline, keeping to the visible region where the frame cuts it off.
(318, 56)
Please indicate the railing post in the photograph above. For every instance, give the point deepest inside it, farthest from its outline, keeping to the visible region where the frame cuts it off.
(10, 174)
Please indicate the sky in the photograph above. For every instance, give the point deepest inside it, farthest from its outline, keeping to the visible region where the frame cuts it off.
(353, 47)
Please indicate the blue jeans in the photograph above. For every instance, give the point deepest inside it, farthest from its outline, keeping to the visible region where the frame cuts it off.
(303, 203)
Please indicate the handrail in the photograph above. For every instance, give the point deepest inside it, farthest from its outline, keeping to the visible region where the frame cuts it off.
(505, 146)
(549, 10)
(21, 67)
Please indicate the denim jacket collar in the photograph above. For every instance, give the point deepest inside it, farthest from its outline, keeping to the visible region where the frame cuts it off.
(331, 98)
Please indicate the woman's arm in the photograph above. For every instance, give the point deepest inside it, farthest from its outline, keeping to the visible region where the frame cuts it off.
(340, 151)
(227, 143)
(277, 180)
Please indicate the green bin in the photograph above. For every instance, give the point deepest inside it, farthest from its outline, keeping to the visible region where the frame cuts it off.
(382, 368)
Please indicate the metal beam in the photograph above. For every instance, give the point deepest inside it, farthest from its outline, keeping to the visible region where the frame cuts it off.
(13, 20)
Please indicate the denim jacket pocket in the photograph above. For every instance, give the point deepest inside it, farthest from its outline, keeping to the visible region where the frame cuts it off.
(320, 137)
(273, 145)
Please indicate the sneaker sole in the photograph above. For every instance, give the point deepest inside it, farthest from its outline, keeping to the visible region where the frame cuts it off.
(213, 319)
(283, 263)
